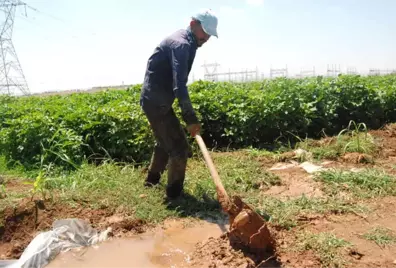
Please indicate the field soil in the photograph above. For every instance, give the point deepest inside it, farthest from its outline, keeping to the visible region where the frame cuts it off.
(22, 222)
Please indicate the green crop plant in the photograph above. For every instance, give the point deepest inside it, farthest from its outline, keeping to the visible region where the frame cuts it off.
(111, 125)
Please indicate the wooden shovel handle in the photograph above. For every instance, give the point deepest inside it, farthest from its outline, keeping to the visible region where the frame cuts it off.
(219, 186)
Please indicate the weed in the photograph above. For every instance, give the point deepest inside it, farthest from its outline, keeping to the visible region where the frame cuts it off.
(240, 173)
(324, 149)
(359, 140)
(7, 170)
(113, 186)
(40, 184)
(369, 183)
(11, 199)
(381, 236)
(326, 246)
(286, 214)
(260, 153)
(354, 138)
(98, 185)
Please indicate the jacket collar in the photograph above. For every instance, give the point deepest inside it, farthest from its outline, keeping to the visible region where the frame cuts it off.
(191, 38)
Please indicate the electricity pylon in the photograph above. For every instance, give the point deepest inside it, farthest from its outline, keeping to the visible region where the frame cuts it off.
(12, 79)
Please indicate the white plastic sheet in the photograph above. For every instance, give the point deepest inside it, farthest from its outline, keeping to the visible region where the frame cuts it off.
(311, 168)
(65, 235)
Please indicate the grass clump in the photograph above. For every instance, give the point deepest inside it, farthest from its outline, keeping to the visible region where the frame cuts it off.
(287, 214)
(369, 183)
(240, 173)
(260, 153)
(381, 236)
(353, 139)
(356, 139)
(326, 246)
(113, 186)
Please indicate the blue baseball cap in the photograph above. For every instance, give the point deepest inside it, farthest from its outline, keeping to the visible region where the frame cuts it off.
(208, 21)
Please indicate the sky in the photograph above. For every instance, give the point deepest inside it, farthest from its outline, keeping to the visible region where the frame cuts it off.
(79, 44)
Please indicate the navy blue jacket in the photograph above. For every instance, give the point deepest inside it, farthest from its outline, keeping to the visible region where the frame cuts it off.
(167, 74)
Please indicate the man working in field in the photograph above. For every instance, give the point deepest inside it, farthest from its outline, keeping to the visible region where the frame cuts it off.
(166, 79)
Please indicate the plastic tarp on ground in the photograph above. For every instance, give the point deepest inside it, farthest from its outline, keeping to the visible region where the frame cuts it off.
(65, 235)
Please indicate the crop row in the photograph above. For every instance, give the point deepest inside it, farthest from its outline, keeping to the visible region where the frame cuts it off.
(71, 128)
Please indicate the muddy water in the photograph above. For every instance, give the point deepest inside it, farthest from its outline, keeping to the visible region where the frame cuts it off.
(163, 248)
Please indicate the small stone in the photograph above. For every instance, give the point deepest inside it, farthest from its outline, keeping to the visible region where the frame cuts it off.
(142, 196)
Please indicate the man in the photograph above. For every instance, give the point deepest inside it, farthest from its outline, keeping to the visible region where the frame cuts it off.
(166, 79)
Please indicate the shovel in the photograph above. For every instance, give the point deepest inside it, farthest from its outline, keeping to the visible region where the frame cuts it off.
(247, 228)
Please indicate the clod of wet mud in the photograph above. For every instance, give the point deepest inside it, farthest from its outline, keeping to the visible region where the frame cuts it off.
(127, 225)
(355, 254)
(218, 252)
(357, 158)
(248, 229)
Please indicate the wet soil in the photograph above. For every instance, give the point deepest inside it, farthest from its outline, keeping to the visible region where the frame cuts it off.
(171, 245)
(218, 252)
(22, 223)
(199, 244)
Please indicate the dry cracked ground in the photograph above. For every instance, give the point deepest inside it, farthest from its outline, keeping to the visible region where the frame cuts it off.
(330, 202)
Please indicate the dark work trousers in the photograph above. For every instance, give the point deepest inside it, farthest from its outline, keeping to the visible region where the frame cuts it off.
(171, 146)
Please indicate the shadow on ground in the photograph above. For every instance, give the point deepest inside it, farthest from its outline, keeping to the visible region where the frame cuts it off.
(207, 209)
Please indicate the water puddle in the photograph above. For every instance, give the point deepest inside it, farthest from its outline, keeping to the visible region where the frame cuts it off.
(165, 248)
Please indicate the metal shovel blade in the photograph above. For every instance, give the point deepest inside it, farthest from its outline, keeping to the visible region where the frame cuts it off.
(247, 227)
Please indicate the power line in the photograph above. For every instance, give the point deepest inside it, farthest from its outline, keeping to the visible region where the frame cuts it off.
(12, 78)
(283, 72)
(66, 23)
(44, 13)
(254, 75)
(34, 22)
(211, 74)
(333, 70)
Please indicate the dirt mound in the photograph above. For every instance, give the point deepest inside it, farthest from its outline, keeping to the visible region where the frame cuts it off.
(23, 223)
(387, 140)
(218, 252)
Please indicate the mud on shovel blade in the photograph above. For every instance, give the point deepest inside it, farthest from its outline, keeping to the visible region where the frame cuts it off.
(247, 228)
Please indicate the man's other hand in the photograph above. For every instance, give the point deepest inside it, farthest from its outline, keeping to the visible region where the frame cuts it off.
(194, 129)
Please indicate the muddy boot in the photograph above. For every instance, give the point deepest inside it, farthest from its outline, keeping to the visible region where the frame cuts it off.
(152, 179)
(157, 166)
(176, 175)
